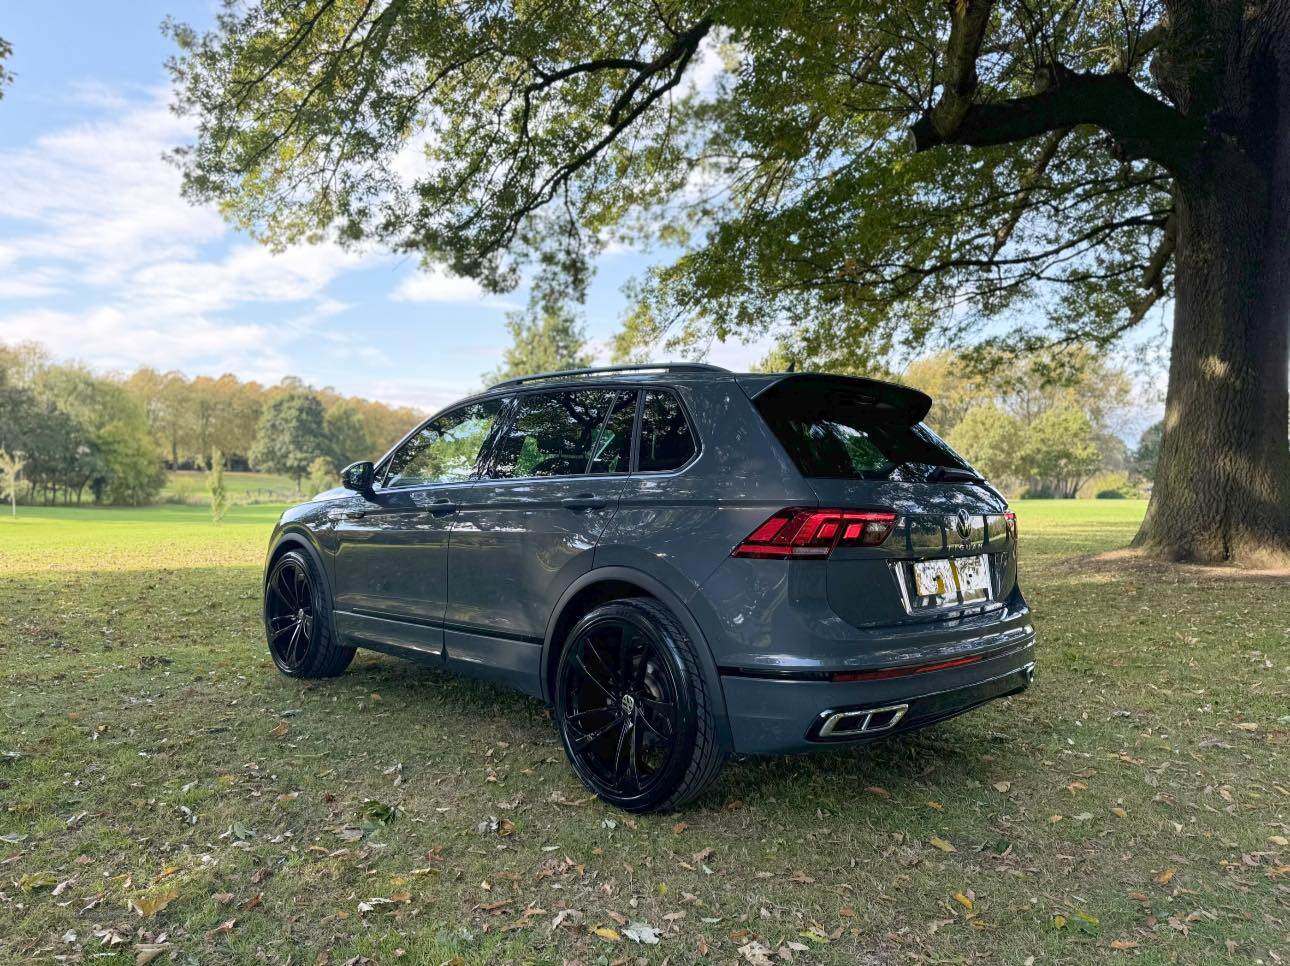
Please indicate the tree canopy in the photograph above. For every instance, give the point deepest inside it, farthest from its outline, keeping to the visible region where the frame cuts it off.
(547, 336)
(865, 176)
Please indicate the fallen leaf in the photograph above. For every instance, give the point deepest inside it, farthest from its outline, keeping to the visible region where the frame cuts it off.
(1123, 944)
(941, 844)
(702, 856)
(1002, 787)
(878, 790)
(37, 880)
(755, 953)
(149, 905)
(145, 953)
(1164, 877)
(963, 900)
(641, 932)
(679, 827)
(604, 932)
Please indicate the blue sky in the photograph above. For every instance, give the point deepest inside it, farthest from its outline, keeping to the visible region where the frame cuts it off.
(103, 262)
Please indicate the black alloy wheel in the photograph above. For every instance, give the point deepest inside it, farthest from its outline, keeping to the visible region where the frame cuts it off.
(297, 620)
(633, 710)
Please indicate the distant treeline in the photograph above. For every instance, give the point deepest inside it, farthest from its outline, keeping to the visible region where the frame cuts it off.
(111, 438)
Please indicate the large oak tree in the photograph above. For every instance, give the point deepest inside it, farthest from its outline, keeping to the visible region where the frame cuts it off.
(1006, 174)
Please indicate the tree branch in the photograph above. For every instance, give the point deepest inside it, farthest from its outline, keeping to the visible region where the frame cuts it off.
(1142, 126)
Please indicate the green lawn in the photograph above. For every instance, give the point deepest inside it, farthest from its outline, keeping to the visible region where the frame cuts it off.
(160, 783)
(189, 486)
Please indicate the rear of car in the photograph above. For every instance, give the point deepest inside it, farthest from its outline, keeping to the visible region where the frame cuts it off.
(887, 602)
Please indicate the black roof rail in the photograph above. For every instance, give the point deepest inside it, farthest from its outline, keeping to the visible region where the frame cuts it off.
(603, 370)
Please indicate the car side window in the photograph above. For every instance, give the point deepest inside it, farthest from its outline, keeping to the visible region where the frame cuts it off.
(667, 442)
(612, 451)
(445, 450)
(558, 434)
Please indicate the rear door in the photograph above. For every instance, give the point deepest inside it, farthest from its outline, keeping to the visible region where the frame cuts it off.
(391, 566)
(864, 449)
(529, 528)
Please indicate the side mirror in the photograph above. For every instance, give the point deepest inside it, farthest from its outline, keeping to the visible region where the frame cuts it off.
(358, 477)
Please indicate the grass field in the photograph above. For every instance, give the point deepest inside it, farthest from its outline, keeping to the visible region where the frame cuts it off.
(163, 789)
(189, 486)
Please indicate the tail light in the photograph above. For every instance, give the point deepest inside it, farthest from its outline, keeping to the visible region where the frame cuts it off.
(812, 534)
(1010, 521)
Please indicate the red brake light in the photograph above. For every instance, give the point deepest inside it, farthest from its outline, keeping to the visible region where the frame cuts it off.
(1010, 521)
(812, 534)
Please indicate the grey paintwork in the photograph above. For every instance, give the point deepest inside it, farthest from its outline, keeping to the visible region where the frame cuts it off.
(477, 575)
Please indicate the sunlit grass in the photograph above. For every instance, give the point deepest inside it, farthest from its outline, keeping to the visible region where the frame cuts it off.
(1138, 795)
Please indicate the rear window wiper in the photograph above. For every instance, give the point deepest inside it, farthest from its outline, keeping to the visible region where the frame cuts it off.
(953, 474)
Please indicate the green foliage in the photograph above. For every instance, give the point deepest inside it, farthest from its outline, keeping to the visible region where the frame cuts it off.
(133, 473)
(322, 474)
(346, 435)
(290, 435)
(546, 337)
(81, 432)
(6, 76)
(992, 440)
(215, 486)
(1148, 451)
(788, 181)
(1061, 448)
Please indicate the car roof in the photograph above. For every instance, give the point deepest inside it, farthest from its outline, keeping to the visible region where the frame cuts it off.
(885, 395)
(645, 372)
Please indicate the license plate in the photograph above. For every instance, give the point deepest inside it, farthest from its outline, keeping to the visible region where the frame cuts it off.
(965, 577)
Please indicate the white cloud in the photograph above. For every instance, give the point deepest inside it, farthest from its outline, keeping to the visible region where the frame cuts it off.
(440, 285)
(103, 261)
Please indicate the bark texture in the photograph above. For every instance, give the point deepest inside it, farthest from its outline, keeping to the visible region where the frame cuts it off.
(1222, 491)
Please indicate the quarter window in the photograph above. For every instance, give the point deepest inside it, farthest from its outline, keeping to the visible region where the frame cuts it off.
(666, 440)
(560, 434)
(445, 450)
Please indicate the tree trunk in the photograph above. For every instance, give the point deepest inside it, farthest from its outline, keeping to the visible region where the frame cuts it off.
(1222, 488)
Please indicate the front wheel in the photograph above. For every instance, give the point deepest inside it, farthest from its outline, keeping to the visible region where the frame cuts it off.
(297, 620)
(634, 712)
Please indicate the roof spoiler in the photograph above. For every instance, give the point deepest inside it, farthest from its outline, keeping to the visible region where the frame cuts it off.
(886, 398)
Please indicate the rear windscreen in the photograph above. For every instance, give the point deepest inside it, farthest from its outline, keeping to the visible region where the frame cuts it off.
(829, 435)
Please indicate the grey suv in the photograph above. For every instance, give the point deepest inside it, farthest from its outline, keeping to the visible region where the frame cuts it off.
(683, 561)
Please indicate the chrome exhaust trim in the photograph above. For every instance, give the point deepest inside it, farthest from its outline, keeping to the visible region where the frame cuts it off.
(871, 721)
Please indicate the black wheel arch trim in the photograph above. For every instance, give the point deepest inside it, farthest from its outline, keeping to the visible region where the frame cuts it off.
(668, 598)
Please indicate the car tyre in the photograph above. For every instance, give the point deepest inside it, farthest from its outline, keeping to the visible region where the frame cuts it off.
(298, 620)
(634, 711)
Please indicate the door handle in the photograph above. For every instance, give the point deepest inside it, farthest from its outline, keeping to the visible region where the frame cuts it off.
(442, 507)
(584, 501)
(335, 516)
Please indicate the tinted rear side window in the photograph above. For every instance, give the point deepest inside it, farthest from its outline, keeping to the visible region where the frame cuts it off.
(667, 442)
(557, 434)
(840, 439)
(613, 449)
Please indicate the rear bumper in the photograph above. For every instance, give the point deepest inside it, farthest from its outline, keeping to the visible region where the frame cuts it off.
(777, 716)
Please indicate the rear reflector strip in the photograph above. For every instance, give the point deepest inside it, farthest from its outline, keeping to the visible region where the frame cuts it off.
(843, 677)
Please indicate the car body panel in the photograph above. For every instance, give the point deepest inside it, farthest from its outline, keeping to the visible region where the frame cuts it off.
(516, 546)
(485, 589)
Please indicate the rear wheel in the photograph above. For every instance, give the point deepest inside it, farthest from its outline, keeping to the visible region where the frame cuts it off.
(297, 620)
(633, 709)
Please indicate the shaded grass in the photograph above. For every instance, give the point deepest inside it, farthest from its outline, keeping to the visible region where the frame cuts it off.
(155, 748)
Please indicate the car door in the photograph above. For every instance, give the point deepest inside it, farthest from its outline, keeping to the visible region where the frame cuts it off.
(391, 563)
(529, 528)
